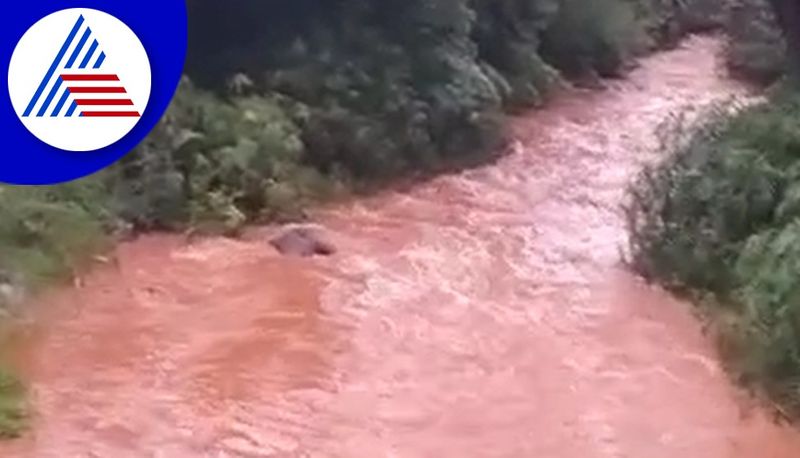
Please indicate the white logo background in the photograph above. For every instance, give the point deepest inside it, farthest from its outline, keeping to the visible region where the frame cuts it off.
(34, 55)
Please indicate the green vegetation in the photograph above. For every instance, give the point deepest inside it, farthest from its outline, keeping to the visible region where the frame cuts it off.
(756, 48)
(13, 411)
(216, 164)
(45, 231)
(577, 42)
(721, 219)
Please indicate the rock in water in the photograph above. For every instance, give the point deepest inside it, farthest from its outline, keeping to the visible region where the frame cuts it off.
(303, 241)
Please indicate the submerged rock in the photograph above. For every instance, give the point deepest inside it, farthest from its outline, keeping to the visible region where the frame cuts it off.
(303, 241)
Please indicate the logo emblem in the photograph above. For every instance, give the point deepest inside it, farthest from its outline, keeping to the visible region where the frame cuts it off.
(79, 79)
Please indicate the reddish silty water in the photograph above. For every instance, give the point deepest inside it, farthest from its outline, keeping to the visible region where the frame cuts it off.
(482, 314)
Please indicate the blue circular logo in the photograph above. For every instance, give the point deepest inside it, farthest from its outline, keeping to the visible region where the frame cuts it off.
(87, 81)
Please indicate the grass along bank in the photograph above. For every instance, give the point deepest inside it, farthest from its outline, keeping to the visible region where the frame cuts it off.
(13, 411)
(756, 49)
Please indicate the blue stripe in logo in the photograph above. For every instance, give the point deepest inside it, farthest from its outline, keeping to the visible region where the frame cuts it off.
(100, 60)
(72, 108)
(53, 67)
(60, 103)
(89, 55)
(79, 48)
(50, 96)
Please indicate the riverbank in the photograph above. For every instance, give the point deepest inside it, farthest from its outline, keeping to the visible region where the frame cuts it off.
(718, 220)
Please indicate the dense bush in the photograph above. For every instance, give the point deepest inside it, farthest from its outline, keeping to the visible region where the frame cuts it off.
(388, 86)
(722, 216)
(45, 231)
(592, 36)
(509, 35)
(664, 22)
(211, 160)
(210, 163)
(756, 49)
(392, 86)
(13, 411)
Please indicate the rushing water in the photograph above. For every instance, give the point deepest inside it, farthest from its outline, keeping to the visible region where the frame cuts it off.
(484, 314)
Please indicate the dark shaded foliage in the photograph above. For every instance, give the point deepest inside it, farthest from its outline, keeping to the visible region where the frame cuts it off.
(787, 15)
(392, 86)
(13, 411)
(756, 47)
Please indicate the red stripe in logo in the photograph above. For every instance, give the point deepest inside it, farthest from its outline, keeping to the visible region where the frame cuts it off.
(118, 102)
(90, 77)
(111, 114)
(97, 90)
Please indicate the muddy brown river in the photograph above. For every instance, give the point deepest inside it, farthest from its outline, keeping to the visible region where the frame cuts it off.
(481, 314)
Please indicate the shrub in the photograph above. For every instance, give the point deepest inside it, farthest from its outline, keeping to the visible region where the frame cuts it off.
(592, 36)
(508, 35)
(211, 160)
(12, 406)
(691, 214)
(756, 48)
(722, 216)
(46, 231)
(769, 344)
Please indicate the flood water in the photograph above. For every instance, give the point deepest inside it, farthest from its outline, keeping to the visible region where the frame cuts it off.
(482, 314)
